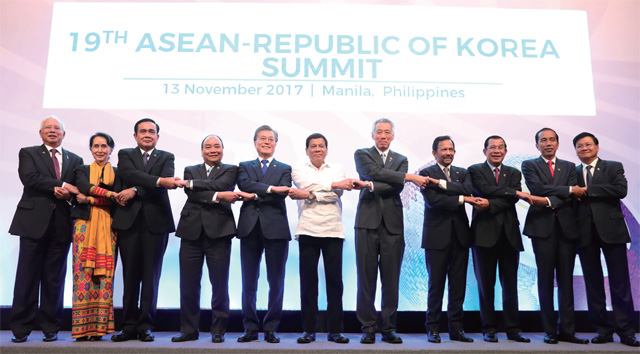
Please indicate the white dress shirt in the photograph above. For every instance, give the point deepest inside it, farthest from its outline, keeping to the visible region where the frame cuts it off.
(322, 216)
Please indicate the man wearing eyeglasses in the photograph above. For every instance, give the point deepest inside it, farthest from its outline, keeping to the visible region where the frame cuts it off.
(263, 227)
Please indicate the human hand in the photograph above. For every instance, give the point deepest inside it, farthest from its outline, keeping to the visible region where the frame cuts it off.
(282, 190)
(298, 194)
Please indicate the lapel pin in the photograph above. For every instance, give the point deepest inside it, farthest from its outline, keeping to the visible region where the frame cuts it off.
(457, 172)
(504, 175)
(598, 169)
(558, 169)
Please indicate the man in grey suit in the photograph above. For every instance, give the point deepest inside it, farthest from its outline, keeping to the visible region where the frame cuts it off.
(552, 226)
(602, 227)
(42, 220)
(379, 231)
(206, 228)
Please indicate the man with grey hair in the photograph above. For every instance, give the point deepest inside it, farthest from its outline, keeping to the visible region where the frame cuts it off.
(263, 227)
(42, 220)
(379, 230)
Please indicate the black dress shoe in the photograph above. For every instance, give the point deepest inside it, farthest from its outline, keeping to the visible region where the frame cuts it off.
(337, 337)
(271, 337)
(550, 338)
(147, 336)
(94, 338)
(391, 338)
(248, 336)
(82, 339)
(571, 338)
(123, 336)
(50, 337)
(518, 337)
(602, 338)
(217, 338)
(307, 337)
(368, 338)
(460, 336)
(433, 337)
(183, 337)
(629, 340)
(19, 338)
(491, 337)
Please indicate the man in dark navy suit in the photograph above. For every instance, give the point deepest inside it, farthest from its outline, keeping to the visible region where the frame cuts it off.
(497, 239)
(143, 220)
(602, 227)
(206, 228)
(42, 220)
(380, 231)
(446, 238)
(263, 227)
(552, 226)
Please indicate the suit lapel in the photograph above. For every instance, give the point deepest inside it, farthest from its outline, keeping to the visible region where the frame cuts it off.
(490, 175)
(580, 173)
(391, 157)
(376, 156)
(153, 158)
(46, 158)
(65, 164)
(598, 174)
(257, 169)
(137, 159)
(214, 171)
(270, 170)
(454, 174)
(545, 169)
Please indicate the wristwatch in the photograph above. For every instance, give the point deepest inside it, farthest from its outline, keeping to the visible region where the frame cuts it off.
(135, 190)
(311, 196)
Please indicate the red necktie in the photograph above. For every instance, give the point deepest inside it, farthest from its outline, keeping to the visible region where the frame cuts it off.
(550, 163)
(56, 164)
(497, 171)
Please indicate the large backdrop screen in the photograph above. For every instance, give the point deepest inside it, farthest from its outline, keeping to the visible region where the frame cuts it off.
(466, 70)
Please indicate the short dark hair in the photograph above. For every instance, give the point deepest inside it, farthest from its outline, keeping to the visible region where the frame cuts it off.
(317, 136)
(135, 127)
(584, 135)
(263, 128)
(543, 129)
(486, 142)
(437, 141)
(207, 137)
(106, 136)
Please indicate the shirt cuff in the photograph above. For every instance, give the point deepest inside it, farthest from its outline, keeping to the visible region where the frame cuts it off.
(269, 189)
(215, 198)
(443, 184)
(460, 199)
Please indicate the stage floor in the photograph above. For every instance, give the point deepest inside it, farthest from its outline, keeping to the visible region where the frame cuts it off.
(413, 343)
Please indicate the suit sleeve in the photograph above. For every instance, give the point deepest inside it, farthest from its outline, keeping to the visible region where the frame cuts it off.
(558, 195)
(500, 198)
(146, 183)
(616, 188)
(204, 189)
(371, 171)
(30, 177)
(246, 184)
(436, 197)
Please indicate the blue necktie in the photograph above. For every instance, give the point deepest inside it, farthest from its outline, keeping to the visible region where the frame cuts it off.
(264, 166)
(589, 175)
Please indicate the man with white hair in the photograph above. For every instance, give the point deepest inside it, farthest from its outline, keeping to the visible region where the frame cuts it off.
(42, 220)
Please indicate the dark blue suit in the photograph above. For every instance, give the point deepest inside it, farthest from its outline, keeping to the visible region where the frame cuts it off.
(554, 236)
(263, 226)
(601, 224)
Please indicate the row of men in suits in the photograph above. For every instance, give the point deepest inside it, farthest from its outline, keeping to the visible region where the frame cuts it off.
(207, 225)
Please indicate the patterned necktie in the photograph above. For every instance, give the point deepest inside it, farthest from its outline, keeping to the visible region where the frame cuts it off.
(497, 171)
(446, 173)
(589, 175)
(209, 170)
(384, 158)
(56, 164)
(264, 166)
(550, 163)
(145, 159)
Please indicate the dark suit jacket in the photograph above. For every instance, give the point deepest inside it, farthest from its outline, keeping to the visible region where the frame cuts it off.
(200, 211)
(442, 214)
(270, 208)
(487, 225)
(601, 206)
(151, 202)
(539, 221)
(83, 211)
(388, 181)
(38, 204)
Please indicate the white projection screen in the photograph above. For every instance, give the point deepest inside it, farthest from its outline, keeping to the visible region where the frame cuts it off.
(467, 69)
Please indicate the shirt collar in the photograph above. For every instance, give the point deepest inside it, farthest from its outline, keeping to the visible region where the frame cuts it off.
(149, 152)
(547, 161)
(593, 163)
(443, 167)
(58, 149)
(324, 165)
(383, 152)
(492, 167)
(269, 159)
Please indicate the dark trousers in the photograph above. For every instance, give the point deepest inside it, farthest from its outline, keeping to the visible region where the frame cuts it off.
(42, 266)
(556, 255)
(310, 249)
(217, 253)
(449, 262)
(619, 285)
(141, 253)
(378, 249)
(506, 259)
(275, 253)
